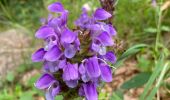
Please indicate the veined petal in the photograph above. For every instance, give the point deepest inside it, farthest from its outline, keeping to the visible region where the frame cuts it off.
(48, 95)
(106, 73)
(72, 83)
(101, 14)
(38, 55)
(44, 32)
(92, 67)
(53, 54)
(85, 78)
(90, 91)
(110, 56)
(45, 81)
(70, 51)
(51, 66)
(112, 30)
(62, 63)
(56, 7)
(70, 72)
(56, 91)
(105, 39)
(81, 91)
(82, 69)
(68, 36)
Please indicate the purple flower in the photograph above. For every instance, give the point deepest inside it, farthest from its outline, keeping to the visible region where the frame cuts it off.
(106, 73)
(110, 56)
(56, 7)
(38, 55)
(101, 14)
(45, 81)
(53, 54)
(44, 32)
(75, 58)
(92, 67)
(90, 91)
(68, 36)
(70, 75)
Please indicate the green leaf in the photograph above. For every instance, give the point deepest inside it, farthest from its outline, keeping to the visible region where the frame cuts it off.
(10, 76)
(117, 95)
(27, 96)
(137, 81)
(150, 30)
(131, 51)
(59, 97)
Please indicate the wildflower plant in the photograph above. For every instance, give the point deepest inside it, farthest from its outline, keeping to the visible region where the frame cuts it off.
(75, 62)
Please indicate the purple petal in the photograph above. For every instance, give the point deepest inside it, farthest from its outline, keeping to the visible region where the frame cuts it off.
(72, 83)
(70, 72)
(90, 91)
(68, 36)
(56, 7)
(102, 50)
(85, 78)
(106, 73)
(83, 20)
(81, 91)
(45, 81)
(101, 14)
(105, 39)
(53, 54)
(95, 46)
(77, 43)
(38, 55)
(48, 95)
(112, 30)
(92, 67)
(56, 91)
(82, 69)
(110, 56)
(44, 32)
(70, 51)
(62, 64)
(51, 66)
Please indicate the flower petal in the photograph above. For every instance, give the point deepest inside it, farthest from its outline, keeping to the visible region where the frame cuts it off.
(72, 83)
(106, 73)
(70, 51)
(105, 39)
(90, 91)
(51, 66)
(48, 95)
(82, 69)
(70, 72)
(68, 36)
(56, 91)
(112, 30)
(62, 63)
(53, 54)
(45, 81)
(110, 56)
(44, 32)
(56, 7)
(38, 55)
(92, 67)
(101, 14)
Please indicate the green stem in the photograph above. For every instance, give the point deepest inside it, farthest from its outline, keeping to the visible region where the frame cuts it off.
(159, 12)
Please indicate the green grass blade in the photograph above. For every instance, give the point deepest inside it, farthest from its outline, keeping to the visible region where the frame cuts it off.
(153, 77)
(154, 90)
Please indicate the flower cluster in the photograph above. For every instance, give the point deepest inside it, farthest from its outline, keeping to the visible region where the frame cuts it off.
(75, 59)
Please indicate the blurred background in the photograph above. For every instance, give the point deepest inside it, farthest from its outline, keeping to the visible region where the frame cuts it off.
(135, 21)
